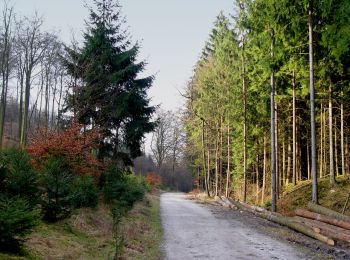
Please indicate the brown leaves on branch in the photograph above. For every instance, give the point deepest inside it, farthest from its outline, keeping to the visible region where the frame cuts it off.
(73, 144)
(153, 179)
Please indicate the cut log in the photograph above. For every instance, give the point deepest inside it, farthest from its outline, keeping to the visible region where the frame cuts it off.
(328, 212)
(308, 222)
(285, 221)
(221, 202)
(228, 202)
(322, 218)
(326, 229)
(302, 228)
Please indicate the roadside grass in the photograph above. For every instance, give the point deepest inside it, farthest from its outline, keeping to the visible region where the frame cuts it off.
(88, 234)
(143, 229)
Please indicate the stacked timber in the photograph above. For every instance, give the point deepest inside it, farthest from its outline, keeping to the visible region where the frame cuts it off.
(225, 202)
(325, 221)
(285, 221)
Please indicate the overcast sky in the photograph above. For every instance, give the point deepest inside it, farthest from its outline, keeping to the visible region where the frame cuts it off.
(172, 34)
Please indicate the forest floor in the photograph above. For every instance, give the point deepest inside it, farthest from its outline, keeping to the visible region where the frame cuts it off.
(88, 234)
(198, 230)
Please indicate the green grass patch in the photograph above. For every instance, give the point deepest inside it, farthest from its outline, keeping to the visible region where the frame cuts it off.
(300, 195)
(143, 230)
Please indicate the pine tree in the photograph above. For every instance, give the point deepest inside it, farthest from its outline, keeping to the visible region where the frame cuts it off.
(112, 97)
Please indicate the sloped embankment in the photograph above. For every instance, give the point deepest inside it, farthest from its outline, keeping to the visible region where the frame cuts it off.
(300, 195)
(88, 234)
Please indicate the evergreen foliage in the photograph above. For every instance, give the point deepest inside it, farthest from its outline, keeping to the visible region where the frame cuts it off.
(112, 96)
(85, 192)
(17, 219)
(57, 183)
(229, 97)
(17, 176)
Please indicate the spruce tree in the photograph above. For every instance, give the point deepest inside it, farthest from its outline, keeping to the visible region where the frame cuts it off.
(111, 97)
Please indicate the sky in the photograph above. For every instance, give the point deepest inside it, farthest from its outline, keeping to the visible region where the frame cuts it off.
(171, 33)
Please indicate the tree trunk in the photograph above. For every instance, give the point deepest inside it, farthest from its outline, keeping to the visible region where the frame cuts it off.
(264, 174)
(273, 136)
(244, 129)
(336, 147)
(203, 158)
(228, 172)
(276, 149)
(342, 136)
(330, 128)
(216, 165)
(294, 135)
(312, 108)
(321, 143)
(257, 175)
(25, 116)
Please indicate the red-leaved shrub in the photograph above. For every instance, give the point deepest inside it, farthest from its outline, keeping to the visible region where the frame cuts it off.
(73, 144)
(153, 179)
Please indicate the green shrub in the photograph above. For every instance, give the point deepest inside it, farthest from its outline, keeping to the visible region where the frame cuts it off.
(17, 219)
(123, 187)
(85, 192)
(17, 176)
(57, 182)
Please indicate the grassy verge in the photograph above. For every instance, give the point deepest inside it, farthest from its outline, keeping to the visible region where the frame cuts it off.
(88, 234)
(143, 229)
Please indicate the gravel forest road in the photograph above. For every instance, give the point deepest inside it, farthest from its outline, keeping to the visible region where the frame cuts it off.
(196, 231)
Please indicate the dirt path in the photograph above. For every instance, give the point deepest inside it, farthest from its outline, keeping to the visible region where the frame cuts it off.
(197, 231)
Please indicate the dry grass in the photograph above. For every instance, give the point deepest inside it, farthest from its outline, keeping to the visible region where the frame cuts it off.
(143, 229)
(300, 195)
(88, 234)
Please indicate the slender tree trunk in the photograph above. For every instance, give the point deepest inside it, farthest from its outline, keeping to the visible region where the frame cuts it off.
(312, 108)
(324, 141)
(283, 161)
(264, 173)
(276, 149)
(25, 116)
(273, 136)
(244, 130)
(289, 161)
(257, 175)
(336, 147)
(342, 136)
(330, 128)
(203, 158)
(228, 172)
(20, 110)
(216, 165)
(321, 144)
(208, 172)
(5, 65)
(308, 162)
(221, 156)
(294, 134)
